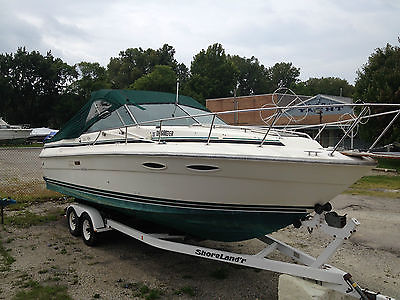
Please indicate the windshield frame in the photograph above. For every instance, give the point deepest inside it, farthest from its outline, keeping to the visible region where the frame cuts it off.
(183, 108)
(155, 122)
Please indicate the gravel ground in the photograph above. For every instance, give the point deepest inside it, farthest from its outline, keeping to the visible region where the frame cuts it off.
(21, 163)
(20, 171)
(120, 266)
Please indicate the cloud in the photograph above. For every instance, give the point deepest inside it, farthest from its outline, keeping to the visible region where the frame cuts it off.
(323, 38)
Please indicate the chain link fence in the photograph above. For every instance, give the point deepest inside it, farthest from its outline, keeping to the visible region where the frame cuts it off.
(21, 174)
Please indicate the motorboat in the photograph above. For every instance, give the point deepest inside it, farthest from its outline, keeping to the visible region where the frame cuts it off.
(13, 132)
(42, 133)
(164, 158)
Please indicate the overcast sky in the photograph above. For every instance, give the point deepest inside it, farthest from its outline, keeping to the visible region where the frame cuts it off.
(322, 38)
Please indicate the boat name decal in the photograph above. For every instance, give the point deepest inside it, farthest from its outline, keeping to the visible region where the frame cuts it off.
(163, 133)
(220, 256)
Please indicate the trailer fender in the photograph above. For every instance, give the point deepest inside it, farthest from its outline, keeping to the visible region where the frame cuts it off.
(94, 214)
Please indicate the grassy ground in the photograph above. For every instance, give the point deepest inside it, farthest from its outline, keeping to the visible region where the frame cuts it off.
(24, 201)
(21, 216)
(39, 291)
(378, 185)
(26, 193)
(5, 258)
(24, 219)
(387, 163)
(20, 145)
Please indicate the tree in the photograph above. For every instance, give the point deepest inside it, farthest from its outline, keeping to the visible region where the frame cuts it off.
(182, 72)
(379, 81)
(133, 63)
(6, 90)
(252, 77)
(129, 66)
(284, 74)
(162, 79)
(62, 110)
(92, 77)
(328, 85)
(34, 83)
(212, 74)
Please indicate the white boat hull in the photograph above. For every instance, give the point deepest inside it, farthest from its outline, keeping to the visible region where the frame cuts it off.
(238, 182)
(14, 134)
(237, 199)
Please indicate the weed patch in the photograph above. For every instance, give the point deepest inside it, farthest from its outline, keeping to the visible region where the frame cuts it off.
(22, 280)
(34, 197)
(26, 219)
(220, 273)
(5, 258)
(55, 292)
(153, 294)
(26, 194)
(9, 240)
(142, 290)
(186, 290)
(55, 278)
(30, 283)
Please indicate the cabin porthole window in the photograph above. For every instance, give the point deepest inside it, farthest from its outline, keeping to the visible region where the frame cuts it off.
(154, 166)
(202, 168)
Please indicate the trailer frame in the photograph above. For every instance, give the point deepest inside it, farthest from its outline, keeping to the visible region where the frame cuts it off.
(305, 265)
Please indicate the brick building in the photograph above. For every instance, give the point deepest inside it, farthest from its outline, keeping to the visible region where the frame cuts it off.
(292, 119)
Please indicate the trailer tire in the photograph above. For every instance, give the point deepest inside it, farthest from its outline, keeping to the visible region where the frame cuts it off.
(74, 224)
(88, 235)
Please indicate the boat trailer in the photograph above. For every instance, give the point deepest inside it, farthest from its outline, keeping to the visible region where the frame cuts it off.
(87, 221)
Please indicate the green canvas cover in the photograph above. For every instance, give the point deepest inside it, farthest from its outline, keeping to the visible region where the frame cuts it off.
(110, 100)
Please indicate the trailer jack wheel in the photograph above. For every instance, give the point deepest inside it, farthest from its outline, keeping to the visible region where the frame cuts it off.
(88, 235)
(74, 225)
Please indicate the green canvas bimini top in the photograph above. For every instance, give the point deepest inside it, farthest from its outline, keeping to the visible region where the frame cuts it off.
(110, 100)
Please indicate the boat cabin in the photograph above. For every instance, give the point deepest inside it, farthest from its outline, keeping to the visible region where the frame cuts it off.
(111, 109)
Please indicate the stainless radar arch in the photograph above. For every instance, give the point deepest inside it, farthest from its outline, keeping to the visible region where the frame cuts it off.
(277, 113)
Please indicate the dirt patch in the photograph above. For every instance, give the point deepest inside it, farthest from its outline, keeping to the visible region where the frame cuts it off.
(123, 268)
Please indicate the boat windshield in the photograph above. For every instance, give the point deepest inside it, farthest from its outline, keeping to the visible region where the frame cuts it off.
(149, 112)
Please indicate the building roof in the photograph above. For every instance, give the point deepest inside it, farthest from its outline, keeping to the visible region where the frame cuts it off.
(337, 98)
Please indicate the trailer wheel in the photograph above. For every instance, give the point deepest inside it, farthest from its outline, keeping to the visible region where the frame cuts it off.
(74, 225)
(88, 235)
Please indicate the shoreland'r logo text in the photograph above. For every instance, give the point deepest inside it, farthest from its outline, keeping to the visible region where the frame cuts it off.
(220, 256)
